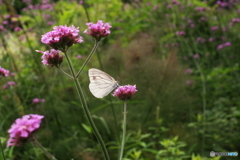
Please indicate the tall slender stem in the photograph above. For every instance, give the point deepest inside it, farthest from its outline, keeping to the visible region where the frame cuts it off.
(89, 57)
(124, 130)
(43, 149)
(2, 149)
(86, 111)
(204, 99)
(60, 69)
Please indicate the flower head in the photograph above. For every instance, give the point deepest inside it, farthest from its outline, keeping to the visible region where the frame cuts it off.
(38, 100)
(188, 71)
(195, 56)
(188, 82)
(8, 84)
(23, 128)
(124, 93)
(51, 58)
(98, 30)
(180, 33)
(214, 28)
(62, 37)
(4, 72)
(224, 45)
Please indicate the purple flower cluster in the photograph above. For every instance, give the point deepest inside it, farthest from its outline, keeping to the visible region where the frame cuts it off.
(234, 20)
(124, 93)
(62, 37)
(180, 33)
(200, 9)
(200, 40)
(38, 100)
(23, 128)
(175, 2)
(221, 46)
(8, 84)
(98, 30)
(214, 28)
(10, 23)
(44, 5)
(227, 4)
(4, 72)
(51, 58)
(195, 56)
(191, 23)
(188, 71)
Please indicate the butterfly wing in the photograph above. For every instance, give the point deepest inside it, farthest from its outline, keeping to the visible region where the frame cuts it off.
(101, 84)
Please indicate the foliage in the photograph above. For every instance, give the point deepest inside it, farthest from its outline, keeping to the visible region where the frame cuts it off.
(176, 114)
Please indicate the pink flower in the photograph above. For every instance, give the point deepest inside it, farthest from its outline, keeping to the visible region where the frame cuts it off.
(8, 84)
(4, 72)
(180, 33)
(188, 82)
(188, 71)
(203, 19)
(98, 30)
(214, 28)
(195, 56)
(51, 58)
(62, 37)
(79, 56)
(175, 2)
(155, 7)
(23, 128)
(200, 40)
(200, 9)
(211, 39)
(224, 45)
(234, 20)
(124, 93)
(38, 100)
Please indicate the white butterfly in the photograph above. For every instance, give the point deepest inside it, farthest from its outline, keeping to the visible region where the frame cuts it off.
(101, 84)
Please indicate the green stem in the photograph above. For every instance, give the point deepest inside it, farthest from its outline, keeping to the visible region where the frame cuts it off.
(2, 149)
(43, 149)
(89, 57)
(60, 69)
(124, 130)
(204, 99)
(86, 111)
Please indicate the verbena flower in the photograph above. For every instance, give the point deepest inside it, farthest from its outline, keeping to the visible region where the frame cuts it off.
(200, 40)
(62, 37)
(38, 100)
(8, 84)
(23, 128)
(234, 20)
(214, 28)
(124, 93)
(195, 56)
(210, 39)
(188, 82)
(200, 9)
(51, 58)
(224, 45)
(79, 56)
(98, 30)
(180, 33)
(188, 71)
(4, 72)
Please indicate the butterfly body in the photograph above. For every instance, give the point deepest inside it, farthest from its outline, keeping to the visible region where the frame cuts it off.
(101, 84)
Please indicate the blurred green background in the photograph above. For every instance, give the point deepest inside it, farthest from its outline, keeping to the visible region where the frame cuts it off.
(183, 57)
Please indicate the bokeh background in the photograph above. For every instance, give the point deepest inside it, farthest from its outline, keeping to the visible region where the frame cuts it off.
(182, 55)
